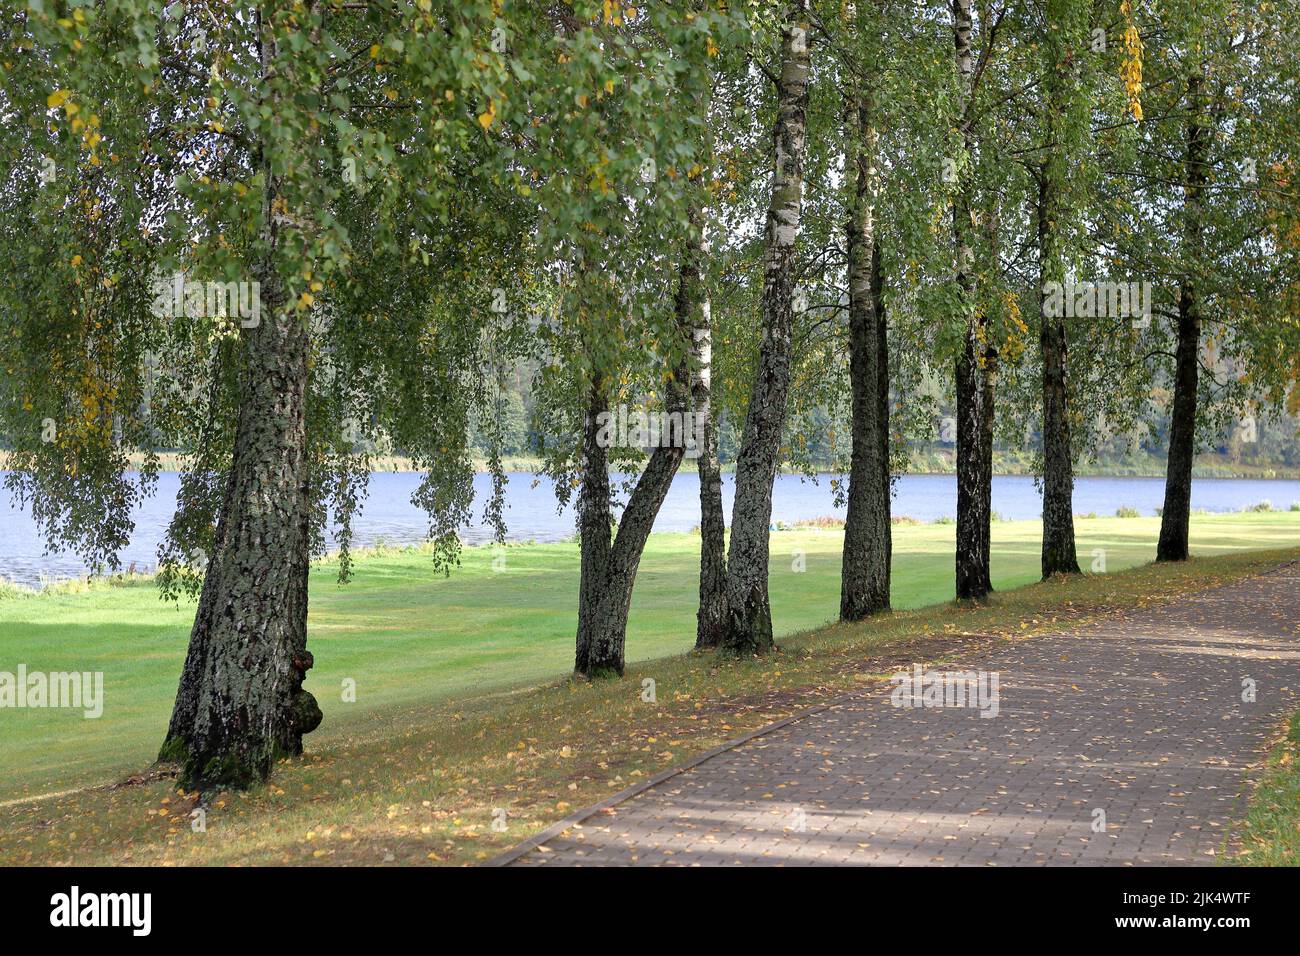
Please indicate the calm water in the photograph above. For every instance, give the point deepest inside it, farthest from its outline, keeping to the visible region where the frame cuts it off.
(531, 512)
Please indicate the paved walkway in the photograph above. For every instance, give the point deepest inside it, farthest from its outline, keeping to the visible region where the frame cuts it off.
(1139, 717)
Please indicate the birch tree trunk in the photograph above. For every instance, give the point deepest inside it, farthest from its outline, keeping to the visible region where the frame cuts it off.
(1059, 554)
(711, 619)
(882, 394)
(970, 558)
(972, 517)
(603, 607)
(1182, 433)
(988, 386)
(595, 655)
(609, 569)
(241, 704)
(749, 612)
(864, 576)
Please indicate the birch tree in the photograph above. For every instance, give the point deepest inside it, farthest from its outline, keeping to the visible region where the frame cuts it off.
(864, 587)
(749, 609)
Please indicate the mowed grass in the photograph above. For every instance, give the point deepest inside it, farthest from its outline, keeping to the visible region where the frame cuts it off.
(419, 783)
(424, 783)
(1270, 834)
(408, 636)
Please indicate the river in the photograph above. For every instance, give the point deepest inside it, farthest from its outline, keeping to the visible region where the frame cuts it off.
(531, 511)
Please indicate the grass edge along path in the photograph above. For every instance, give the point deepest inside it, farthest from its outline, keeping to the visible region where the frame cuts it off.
(460, 781)
(1270, 833)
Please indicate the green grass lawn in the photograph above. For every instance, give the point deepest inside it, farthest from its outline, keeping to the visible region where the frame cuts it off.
(1270, 834)
(408, 636)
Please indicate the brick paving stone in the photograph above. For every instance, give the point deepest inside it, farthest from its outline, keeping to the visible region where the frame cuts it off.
(1138, 715)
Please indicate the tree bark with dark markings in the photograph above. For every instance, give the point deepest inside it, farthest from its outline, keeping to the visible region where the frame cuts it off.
(595, 520)
(609, 567)
(988, 387)
(882, 393)
(1176, 515)
(711, 619)
(241, 703)
(971, 561)
(749, 627)
(864, 576)
(1059, 554)
(972, 572)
